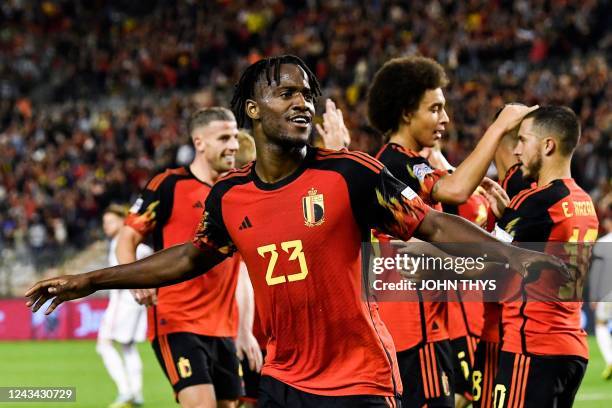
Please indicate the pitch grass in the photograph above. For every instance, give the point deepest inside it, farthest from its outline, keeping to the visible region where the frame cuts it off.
(76, 364)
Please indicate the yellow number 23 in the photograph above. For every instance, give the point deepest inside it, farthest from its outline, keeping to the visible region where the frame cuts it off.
(297, 253)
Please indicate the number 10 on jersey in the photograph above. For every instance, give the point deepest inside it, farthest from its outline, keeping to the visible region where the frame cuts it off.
(294, 249)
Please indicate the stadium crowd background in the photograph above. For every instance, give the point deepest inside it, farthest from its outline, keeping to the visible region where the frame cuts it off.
(94, 95)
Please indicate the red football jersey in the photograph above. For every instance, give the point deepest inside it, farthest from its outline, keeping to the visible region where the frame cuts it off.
(170, 208)
(467, 318)
(558, 212)
(413, 323)
(301, 240)
(513, 183)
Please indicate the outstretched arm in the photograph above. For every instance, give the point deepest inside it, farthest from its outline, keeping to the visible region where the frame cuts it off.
(440, 228)
(176, 264)
(457, 187)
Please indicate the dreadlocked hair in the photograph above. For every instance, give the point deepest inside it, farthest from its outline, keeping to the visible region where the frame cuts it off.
(245, 88)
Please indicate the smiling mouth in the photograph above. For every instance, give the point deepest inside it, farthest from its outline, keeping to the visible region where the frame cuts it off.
(301, 120)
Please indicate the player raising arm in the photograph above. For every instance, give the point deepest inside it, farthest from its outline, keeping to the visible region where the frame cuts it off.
(298, 216)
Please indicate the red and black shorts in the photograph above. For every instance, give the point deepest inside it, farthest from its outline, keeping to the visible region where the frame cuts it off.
(537, 381)
(463, 364)
(191, 359)
(427, 375)
(276, 394)
(250, 381)
(486, 363)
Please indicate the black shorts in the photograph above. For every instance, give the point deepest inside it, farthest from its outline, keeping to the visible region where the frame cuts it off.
(276, 394)
(427, 375)
(250, 380)
(191, 359)
(537, 381)
(463, 364)
(483, 375)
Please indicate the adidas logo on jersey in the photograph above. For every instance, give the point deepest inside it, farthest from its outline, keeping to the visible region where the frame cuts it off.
(198, 204)
(246, 223)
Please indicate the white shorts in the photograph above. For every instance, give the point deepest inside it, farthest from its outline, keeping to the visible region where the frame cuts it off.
(124, 320)
(603, 311)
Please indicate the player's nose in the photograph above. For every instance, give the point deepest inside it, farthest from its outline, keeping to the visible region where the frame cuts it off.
(444, 119)
(233, 144)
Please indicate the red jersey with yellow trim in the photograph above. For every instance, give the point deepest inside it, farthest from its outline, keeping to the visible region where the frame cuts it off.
(170, 208)
(558, 212)
(412, 323)
(301, 240)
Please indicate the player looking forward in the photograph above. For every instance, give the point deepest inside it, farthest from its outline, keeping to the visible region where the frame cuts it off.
(298, 216)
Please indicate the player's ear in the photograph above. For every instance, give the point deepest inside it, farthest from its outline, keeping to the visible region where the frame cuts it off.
(406, 117)
(550, 145)
(252, 109)
(196, 139)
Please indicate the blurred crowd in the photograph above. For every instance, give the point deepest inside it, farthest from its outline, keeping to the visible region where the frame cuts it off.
(94, 95)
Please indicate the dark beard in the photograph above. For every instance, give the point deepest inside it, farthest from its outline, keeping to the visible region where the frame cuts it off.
(534, 168)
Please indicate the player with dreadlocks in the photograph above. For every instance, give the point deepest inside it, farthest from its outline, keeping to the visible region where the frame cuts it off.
(298, 215)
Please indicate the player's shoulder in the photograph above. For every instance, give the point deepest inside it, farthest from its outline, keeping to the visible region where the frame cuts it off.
(238, 175)
(167, 175)
(232, 178)
(539, 199)
(345, 160)
(395, 153)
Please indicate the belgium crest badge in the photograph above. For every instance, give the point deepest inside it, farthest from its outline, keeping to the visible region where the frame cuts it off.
(313, 208)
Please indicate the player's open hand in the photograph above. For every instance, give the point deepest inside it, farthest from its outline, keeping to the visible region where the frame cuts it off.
(527, 262)
(334, 132)
(60, 289)
(145, 297)
(247, 346)
(496, 195)
(512, 115)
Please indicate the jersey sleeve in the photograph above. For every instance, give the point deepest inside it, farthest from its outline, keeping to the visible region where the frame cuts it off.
(416, 173)
(211, 233)
(149, 209)
(387, 205)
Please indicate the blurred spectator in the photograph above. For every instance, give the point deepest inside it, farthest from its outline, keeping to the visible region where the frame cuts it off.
(93, 95)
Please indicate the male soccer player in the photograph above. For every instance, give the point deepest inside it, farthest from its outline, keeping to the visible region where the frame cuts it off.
(191, 324)
(544, 351)
(406, 103)
(298, 216)
(486, 358)
(124, 321)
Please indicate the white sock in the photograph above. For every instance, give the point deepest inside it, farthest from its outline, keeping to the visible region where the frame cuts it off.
(604, 340)
(114, 366)
(133, 367)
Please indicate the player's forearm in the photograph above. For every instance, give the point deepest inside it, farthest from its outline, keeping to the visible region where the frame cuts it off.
(457, 187)
(245, 300)
(446, 231)
(172, 265)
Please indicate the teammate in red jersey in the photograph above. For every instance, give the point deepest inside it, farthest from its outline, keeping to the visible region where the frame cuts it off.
(406, 103)
(486, 358)
(298, 216)
(544, 351)
(192, 325)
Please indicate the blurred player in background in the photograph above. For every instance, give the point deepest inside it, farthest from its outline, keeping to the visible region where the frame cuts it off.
(192, 325)
(124, 322)
(406, 103)
(544, 352)
(246, 149)
(601, 291)
(287, 215)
